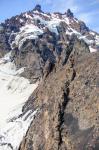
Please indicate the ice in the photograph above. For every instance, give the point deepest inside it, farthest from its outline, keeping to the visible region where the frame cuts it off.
(29, 31)
(42, 21)
(14, 92)
(53, 21)
(53, 24)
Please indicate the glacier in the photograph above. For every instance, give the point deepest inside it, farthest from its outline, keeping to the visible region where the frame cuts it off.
(14, 92)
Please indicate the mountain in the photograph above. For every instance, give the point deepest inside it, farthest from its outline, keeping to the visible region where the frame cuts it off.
(49, 67)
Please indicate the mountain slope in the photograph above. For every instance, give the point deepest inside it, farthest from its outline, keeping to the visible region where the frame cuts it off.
(50, 80)
(43, 36)
(69, 102)
(33, 23)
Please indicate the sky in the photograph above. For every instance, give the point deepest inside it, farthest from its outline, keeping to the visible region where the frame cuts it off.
(85, 10)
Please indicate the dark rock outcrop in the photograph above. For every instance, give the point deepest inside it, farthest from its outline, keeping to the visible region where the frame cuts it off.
(4, 45)
(35, 54)
(38, 8)
(69, 13)
(83, 27)
(67, 96)
(68, 102)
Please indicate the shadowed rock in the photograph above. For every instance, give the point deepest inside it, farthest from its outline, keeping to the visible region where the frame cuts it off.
(69, 13)
(37, 8)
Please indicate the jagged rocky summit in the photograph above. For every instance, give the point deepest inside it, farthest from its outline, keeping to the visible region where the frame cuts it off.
(57, 55)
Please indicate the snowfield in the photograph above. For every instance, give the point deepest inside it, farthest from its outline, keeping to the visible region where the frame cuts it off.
(14, 92)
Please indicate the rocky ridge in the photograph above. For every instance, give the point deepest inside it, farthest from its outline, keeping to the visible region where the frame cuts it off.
(37, 39)
(54, 49)
(69, 108)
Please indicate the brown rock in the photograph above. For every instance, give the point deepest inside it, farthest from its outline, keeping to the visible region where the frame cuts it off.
(69, 108)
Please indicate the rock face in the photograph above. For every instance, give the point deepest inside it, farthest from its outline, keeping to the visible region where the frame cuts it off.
(69, 108)
(4, 45)
(37, 8)
(35, 54)
(54, 50)
(36, 38)
(69, 13)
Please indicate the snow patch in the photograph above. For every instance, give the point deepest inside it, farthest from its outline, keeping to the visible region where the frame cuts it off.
(80, 36)
(53, 24)
(21, 20)
(92, 33)
(42, 21)
(28, 16)
(68, 32)
(97, 40)
(92, 49)
(67, 20)
(76, 20)
(86, 40)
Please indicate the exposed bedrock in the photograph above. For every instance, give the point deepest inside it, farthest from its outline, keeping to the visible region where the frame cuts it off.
(69, 108)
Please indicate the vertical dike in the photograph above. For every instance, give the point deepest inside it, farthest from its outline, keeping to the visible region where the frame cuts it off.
(64, 103)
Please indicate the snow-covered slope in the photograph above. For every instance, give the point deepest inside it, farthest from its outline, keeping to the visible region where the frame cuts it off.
(14, 92)
(31, 24)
